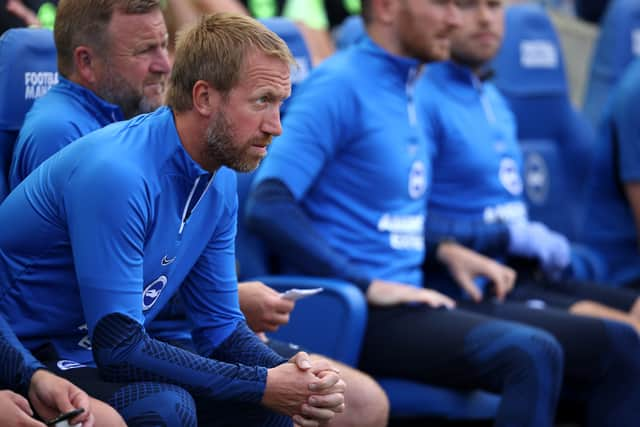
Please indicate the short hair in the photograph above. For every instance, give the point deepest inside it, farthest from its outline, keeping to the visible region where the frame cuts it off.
(85, 22)
(214, 50)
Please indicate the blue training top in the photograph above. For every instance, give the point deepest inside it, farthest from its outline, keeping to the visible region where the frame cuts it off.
(476, 188)
(352, 155)
(67, 112)
(610, 228)
(110, 228)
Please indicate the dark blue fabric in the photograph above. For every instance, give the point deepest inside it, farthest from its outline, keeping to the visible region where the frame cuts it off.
(18, 365)
(124, 352)
(154, 405)
(273, 212)
(524, 364)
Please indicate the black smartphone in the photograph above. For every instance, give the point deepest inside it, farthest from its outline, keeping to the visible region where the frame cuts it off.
(64, 417)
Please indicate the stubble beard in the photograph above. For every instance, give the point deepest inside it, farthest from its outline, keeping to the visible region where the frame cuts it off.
(222, 150)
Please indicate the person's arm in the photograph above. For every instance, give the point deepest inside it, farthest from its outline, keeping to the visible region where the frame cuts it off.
(19, 365)
(263, 307)
(625, 134)
(23, 373)
(489, 239)
(273, 213)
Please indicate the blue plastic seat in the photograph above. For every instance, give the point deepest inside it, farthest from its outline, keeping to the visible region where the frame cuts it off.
(617, 45)
(557, 141)
(28, 68)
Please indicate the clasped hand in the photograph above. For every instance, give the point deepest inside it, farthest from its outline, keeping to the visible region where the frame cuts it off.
(309, 391)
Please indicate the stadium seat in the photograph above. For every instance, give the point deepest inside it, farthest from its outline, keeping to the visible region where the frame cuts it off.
(291, 34)
(339, 335)
(28, 69)
(557, 141)
(616, 46)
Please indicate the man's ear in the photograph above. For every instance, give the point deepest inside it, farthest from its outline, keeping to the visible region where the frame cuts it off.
(384, 10)
(84, 62)
(206, 99)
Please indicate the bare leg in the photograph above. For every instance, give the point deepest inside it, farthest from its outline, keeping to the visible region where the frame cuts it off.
(594, 309)
(366, 404)
(105, 415)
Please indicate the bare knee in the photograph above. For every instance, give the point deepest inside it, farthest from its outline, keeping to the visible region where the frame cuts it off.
(105, 415)
(366, 404)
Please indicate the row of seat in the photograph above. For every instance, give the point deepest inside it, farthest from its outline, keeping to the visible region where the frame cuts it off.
(557, 144)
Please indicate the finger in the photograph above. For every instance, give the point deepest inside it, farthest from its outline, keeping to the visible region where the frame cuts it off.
(62, 401)
(89, 422)
(278, 319)
(470, 287)
(322, 365)
(22, 403)
(302, 361)
(436, 299)
(319, 414)
(26, 421)
(284, 305)
(326, 383)
(330, 401)
(304, 422)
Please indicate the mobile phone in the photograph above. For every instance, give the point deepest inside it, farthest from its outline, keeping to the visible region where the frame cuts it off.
(64, 417)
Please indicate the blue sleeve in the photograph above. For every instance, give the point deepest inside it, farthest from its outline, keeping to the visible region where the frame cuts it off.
(489, 239)
(38, 140)
(108, 210)
(273, 213)
(315, 128)
(210, 291)
(627, 126)
(107, 236)
(18, 364)
(124, 353)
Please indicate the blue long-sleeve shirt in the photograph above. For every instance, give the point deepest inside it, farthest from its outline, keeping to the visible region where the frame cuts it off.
(104, 233)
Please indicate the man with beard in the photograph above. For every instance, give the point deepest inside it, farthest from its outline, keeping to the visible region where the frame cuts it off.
(344, 193)
(476, 198)
(133, 213)
(112, 63)
(112, 60)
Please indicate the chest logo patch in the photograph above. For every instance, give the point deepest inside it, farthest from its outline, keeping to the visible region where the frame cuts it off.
(152, 292)
(417, 179)
(510, 176)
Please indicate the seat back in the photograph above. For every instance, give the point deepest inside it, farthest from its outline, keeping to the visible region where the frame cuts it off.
(292, 36)
(557, 140)
(616, 46)
(28, 69)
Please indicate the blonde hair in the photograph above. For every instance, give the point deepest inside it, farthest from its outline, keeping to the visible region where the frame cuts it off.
(214, 50)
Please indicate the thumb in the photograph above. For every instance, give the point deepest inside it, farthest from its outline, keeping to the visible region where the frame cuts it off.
(302, 361)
